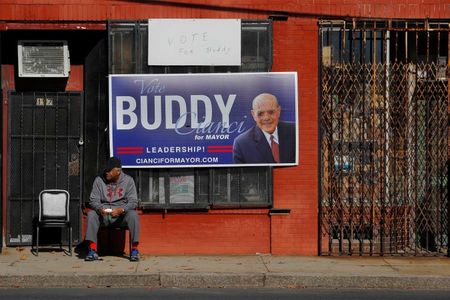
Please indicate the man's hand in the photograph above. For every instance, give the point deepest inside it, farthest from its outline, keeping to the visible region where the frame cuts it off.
(117, 212)
(103, 211)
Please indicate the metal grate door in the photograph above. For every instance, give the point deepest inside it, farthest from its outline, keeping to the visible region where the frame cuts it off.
(384, 139)
(45, 134)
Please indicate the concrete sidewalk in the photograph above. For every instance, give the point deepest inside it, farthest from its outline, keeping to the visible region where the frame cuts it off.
(20, 268)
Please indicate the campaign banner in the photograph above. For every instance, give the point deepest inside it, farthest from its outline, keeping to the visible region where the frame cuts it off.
(204, 120)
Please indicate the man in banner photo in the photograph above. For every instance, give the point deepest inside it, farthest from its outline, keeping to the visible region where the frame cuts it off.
(270, 140)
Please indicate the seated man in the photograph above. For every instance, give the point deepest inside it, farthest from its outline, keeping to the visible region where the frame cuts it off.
(113, 201)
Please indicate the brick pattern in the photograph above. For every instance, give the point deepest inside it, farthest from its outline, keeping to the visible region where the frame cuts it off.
(94, 10)
(198, 233)
(297, 188)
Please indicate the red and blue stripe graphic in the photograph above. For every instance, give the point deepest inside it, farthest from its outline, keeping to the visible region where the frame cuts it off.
(129, 150)
(220, 149)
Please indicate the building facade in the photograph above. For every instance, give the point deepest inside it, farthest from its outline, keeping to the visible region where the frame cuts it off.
(373, 92)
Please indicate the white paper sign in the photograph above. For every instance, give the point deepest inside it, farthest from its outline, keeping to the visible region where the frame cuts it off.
(184, 42)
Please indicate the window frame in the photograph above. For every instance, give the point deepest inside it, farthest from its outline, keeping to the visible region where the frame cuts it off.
(136, 33)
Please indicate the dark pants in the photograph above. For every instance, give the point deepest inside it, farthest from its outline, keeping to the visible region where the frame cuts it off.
(94, 221)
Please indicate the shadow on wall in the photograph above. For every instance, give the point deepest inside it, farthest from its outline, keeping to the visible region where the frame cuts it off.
(41, 84)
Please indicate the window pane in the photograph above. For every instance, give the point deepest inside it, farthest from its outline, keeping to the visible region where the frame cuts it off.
(142, 65)
(151, 187)
(122, 49)
(181, 186)
(225, 185)
(241, 186)
(254, 185)
(256, 48)
(203, 185)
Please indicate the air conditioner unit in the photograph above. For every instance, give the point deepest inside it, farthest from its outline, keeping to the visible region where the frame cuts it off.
(43, 59)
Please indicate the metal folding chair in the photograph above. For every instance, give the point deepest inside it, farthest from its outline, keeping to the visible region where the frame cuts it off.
(54, 212)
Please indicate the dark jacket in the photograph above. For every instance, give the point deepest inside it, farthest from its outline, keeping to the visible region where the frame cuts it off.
(252, 146)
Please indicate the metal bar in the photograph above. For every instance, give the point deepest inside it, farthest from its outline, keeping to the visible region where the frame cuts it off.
(33, 159)
(57, 108)
(416, 167)
(448, 137)
(385, 121)
(406, 44)
(332, 195)
(392, 24)
(439, 207)
(44, 171)
(81, 162)
(428, 41)
(21, 170)
(427, 164)
(321, 150)
(365, 152)
(67, 160)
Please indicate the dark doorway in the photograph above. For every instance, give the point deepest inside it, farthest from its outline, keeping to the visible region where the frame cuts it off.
(45, 139)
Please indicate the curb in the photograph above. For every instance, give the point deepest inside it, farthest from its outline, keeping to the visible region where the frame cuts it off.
(222, 280)
(356, 281)
(213, 280)
(80, 281)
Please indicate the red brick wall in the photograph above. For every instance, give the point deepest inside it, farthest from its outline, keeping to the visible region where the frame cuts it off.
(295, 49)
(99, 10)
(205, 233)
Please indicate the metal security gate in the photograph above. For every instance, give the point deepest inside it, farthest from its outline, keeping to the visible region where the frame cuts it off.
(45, 135)
(384, 138)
